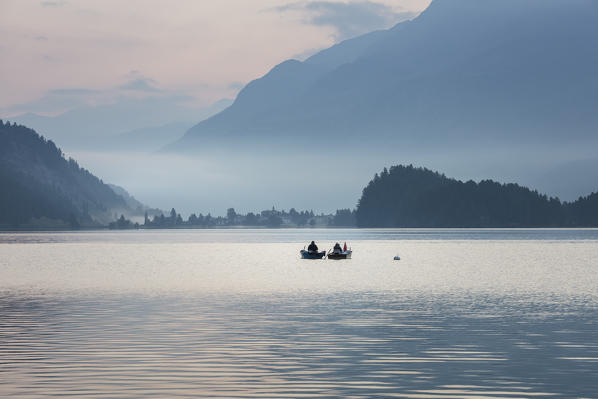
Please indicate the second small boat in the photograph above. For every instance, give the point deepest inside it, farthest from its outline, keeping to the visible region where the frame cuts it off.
(340, 255)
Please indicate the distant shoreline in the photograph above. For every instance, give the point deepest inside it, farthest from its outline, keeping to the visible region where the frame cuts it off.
(105, 229)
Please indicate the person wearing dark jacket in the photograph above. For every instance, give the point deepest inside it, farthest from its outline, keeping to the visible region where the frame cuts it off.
(312, 247)
(337, 248)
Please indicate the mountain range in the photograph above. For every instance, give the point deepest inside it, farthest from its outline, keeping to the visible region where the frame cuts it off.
(476, 73)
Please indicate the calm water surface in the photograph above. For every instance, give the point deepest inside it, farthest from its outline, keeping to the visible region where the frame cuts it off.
(236, 313)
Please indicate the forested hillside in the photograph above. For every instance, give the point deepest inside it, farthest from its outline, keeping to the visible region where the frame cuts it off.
(584, 211)
(40, 188)
(406, 196)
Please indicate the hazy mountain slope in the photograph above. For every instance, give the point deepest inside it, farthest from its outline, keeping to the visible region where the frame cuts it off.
(346, 51)
(42, 183)
(138, 207)
(513, 71)
(105, 127)
(148, 139)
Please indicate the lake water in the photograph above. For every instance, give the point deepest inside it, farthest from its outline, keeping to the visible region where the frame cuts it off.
(236, 313)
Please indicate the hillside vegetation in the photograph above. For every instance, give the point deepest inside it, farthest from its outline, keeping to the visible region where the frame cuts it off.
(406, 196)
(41, 188)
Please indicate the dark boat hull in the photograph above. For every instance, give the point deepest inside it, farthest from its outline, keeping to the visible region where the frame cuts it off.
(341, 256)
(312, 255)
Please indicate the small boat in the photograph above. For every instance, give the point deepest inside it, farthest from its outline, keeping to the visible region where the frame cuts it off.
(312, 255)
(397, 257)
(340, 255)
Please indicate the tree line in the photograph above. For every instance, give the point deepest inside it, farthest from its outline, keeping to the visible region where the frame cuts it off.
(406, 196)
(271, 218)
(411, 197)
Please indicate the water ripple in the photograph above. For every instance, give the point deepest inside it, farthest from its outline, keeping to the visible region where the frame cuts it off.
(344, 345)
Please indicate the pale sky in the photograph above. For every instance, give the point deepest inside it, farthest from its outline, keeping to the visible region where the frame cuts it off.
(56, 55)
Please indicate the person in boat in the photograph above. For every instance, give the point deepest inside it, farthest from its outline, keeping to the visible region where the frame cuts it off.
(313, 248)
(337, 248)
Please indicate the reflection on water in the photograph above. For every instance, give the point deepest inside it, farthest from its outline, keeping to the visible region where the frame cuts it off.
(296, 235)
(198, 317)
(344, 345)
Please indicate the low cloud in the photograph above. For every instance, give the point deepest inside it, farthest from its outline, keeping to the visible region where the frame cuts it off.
(60, 100)
(307, 53)
(53, 3)
(51, 103)
(72, 92)
(235, 85)
(348, 19)
(140, 84)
